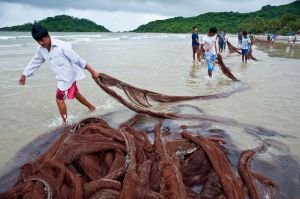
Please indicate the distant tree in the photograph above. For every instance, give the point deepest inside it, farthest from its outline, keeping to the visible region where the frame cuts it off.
(268, 19)
(62, 23)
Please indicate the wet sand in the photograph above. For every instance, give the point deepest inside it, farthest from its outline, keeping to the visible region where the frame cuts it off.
(280, 49)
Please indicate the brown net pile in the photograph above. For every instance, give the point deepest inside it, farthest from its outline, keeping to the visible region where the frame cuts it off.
(93, 160)
(233, 49)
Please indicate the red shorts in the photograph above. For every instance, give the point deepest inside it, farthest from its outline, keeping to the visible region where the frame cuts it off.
(70, 93)
(195, 49)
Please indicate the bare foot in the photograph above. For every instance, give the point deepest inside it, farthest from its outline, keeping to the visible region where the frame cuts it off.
(64, 121)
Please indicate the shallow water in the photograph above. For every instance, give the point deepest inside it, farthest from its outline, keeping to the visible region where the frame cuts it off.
(280, 49)
(158, 62)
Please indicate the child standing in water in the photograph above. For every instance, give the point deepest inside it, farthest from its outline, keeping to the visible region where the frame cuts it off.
(64, 62)
(246, 43)
(210, 49)
(195, 44)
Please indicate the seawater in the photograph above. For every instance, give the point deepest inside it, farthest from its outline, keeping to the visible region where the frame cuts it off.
(158, 62)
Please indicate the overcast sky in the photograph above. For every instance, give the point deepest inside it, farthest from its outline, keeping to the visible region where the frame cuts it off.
(120, 15)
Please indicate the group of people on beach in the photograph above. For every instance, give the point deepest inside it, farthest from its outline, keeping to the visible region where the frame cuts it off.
(272, 37)
(68, 66)
(206, 47)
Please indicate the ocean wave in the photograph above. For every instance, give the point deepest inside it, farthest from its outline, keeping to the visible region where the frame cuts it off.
(10, 46)
(76, 36)
(110, 39)
(82, 38)
(6, 37)
(138, 37)
(87, 37)
(156, 36)
(14, 37)
(54, 36)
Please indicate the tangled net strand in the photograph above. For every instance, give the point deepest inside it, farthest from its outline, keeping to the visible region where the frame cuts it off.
(233, 49)
(140, 98)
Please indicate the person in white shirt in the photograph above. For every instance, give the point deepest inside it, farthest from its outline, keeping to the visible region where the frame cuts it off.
(290, 39)
(210, 49)
(246, 43)
(66, 64)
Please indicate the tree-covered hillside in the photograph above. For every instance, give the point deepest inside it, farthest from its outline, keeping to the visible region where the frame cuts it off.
(62, 23)
(279, 19)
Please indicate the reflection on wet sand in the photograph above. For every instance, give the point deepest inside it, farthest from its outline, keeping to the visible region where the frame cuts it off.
(280, 49)
(194, 70)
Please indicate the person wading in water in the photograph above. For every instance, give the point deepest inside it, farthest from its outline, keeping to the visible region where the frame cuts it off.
(66, 64)
(210, 49)
(195, 44)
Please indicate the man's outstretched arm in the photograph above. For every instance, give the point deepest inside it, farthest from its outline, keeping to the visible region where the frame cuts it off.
(33, 65)
(91, 70)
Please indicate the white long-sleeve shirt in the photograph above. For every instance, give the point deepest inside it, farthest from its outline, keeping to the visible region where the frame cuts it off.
(66, 64)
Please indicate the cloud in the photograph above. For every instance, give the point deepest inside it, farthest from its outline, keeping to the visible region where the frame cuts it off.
(113, 20)
(116, 20)
(160, 7)
(121, 14)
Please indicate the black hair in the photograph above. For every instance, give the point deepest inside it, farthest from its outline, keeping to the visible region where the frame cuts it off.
(38, 32)
(213, 30)
(245, 33)
(195, 27)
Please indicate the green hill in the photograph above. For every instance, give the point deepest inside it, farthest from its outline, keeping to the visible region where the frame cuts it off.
(279, 19)
(62, 23)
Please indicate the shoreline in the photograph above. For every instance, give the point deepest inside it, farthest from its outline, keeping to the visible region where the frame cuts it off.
(280, 39)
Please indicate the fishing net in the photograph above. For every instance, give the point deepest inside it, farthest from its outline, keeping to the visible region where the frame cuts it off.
(233, 49)
(250, 55)
(139, 99)
(93, 160)
(226, 71)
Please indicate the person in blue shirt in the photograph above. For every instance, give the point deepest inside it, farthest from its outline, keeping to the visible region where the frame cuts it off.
(195, 43)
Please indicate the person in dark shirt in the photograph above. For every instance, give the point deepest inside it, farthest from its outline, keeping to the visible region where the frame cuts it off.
(195, 44)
